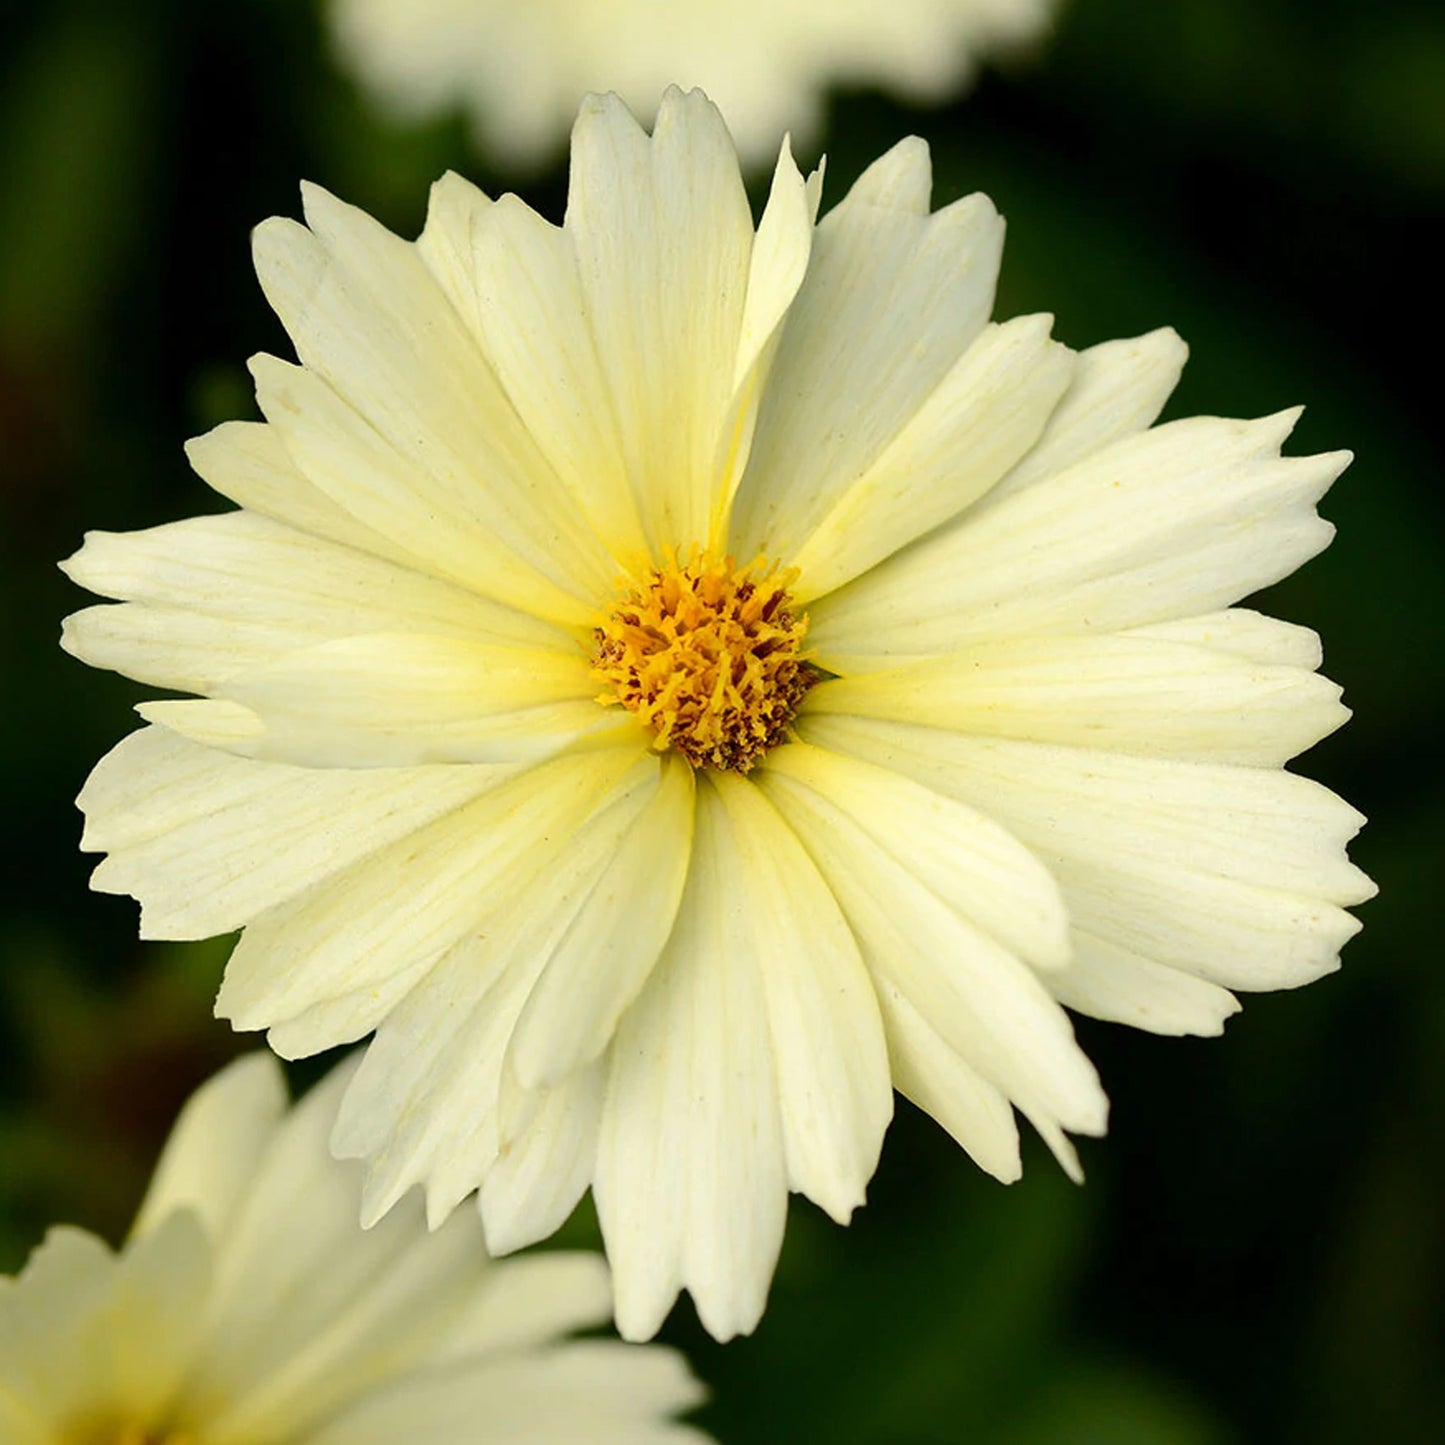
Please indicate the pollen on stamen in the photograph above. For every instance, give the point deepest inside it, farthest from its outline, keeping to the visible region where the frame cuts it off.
(709, 655)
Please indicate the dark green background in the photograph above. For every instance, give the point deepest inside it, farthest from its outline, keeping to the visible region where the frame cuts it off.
(1257, 1255)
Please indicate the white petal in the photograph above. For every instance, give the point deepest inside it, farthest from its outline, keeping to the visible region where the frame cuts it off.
(985, 413)
(984, 1003)
(834, 1087)
(691, 1184)
(604, 958)
(1124, 693)
(220, 595)
(207, 841)
(215, 1145)
(663, 236)
(1178, 521)
(892, 299)
(593, 1390)
(1232, 874)
(513, 276)
(418, 897)
(927, 1071)
(1118, 388)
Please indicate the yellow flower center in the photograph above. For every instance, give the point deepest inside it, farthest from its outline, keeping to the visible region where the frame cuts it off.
(707, 654)
(106, 1430)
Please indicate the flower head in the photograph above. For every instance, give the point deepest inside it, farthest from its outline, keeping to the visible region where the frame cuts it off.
(520, 70)
(677, 682)
(249, 1308)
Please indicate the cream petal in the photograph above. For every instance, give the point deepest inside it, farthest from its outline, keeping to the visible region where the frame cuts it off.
(691, 1183)
(544, 1166)
(528, 1302)
(207, 841)
(220, 595)
(439, 508)
(48, 1334)
(663, 237)
(455, 210)
(346, 1018)
(779, 262)
(418, 897)
(985, 1004)
(394, 699)
(1106, 981)
(19, 1424)
(1235, 875)
(513, 276)
(983, 416)
(221, 725)
(1118, 388)
(1239, 632)
(367, 316)
(247, 462)
(855, 362)
(971, 863)
(426, 1104)
(831, 1061)
(1126, 693)
(1174, 522)
(62, 1357)
(215, 1145)
(422, 1109)
(592, 1390)
(306, 1309)
(159, 1289)
(62, 1360)
(927, 1071)
(601, 963)
(171, 648)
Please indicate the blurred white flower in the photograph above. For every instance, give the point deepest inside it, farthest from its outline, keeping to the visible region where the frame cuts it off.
(520, 67)
(249, 1308)
(676, 684)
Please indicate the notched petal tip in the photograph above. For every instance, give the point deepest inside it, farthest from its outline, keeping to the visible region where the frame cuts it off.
(321, 208)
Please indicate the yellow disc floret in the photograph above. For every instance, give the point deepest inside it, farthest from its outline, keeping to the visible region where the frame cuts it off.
(708, 655)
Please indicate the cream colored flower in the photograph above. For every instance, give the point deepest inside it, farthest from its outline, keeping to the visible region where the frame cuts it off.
(521, 69)
(248, 1308)
(677, 684)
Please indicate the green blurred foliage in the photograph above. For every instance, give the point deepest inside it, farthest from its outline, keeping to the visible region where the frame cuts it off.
(1257, 1255)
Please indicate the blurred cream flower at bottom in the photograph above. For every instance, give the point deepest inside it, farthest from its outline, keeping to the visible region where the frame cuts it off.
(521, 69)
(248, 1308)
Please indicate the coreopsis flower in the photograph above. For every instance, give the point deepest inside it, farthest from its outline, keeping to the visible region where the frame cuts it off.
(249, 1308)
(520, 70)
(677, 682)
